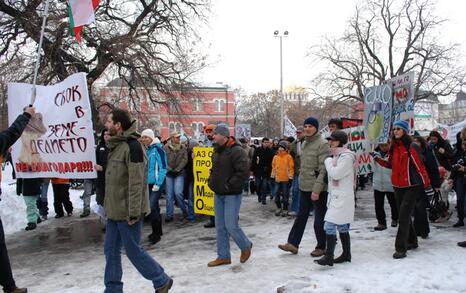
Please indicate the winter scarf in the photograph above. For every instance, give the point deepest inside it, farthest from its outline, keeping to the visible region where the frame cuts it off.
(335, 153)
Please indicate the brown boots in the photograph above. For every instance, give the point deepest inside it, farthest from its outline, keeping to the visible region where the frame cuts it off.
(245, 254)
(219, 262)
(288, 247)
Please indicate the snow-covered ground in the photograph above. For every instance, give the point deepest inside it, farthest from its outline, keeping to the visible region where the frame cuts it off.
(66, 255)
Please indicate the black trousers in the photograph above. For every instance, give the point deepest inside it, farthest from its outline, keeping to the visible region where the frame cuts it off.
(379, 201)
(61, 198)
(460, 194)
(421, 220)
(299, 225)
(6, 276)
(406, 201)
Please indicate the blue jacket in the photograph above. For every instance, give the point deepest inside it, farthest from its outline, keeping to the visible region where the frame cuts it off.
(157, 165)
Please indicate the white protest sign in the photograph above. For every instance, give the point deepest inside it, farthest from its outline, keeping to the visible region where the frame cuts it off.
(58, 141)
(361, 146)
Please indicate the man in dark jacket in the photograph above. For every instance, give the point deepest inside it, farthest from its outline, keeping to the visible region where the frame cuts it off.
(7, 139)
(101, 154)
(228, 173)
(261, 167)
(126, 203)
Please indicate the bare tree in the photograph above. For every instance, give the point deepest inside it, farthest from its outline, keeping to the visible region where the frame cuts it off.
(153, 42)
(12, 70)
(387, 38)
(262, 111)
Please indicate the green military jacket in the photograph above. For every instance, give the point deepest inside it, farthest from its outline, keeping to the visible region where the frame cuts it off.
(126, 189)
(312, 173)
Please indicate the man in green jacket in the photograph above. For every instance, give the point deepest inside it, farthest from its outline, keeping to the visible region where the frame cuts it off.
(312, 186)
(126, 203)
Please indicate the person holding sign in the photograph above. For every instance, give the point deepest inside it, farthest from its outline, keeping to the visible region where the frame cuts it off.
(409, 177)
(228, 173)
(127, 203)
(7, 139)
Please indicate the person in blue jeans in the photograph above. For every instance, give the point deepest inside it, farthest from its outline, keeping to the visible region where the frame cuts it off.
(126, 203)
(261, 168)
(295, 152)
(228, 173)
(177, 158)
(156, 173)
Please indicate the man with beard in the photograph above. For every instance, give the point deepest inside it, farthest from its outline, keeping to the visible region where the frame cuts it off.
(126, 203)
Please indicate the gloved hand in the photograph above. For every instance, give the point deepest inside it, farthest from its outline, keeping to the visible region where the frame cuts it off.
(155, 188)
(375, 155)
(430, 193)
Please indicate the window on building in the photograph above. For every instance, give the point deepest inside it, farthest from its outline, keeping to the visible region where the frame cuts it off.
(197, 127)
(174, 105)
(197, 104)
(171, 127)
(219, 105)
(132, 103)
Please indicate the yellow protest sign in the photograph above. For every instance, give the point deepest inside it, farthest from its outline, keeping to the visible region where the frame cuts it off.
(203, 195)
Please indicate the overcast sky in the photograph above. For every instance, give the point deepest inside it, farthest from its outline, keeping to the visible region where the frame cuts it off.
(245, 53)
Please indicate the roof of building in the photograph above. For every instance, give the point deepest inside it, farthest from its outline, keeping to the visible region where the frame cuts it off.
(119, 82)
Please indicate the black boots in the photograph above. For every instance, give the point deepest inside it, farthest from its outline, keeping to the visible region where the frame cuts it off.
(156, 231)
(346, 244)
(327, 259)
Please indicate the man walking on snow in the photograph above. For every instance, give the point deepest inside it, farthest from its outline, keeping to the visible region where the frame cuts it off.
(126, 203)
(313, 188)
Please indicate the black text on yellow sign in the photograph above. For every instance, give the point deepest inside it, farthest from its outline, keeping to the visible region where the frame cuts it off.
(203, 195)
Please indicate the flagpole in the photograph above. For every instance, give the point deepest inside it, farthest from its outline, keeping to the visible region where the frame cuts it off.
(36, 68)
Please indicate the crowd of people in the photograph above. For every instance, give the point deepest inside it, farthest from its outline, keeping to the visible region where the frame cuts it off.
(307, 175)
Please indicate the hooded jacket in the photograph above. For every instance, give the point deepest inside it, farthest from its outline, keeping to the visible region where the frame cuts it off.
(406, 163)
(282, 167)
(229, 168)
(157, 164)
(314, 151)
(341, 180)
(126, 192)
(177, 159)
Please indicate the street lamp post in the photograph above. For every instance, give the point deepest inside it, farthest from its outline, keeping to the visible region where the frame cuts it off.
(281, 36)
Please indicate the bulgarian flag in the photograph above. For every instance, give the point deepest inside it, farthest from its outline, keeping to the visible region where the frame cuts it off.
(81, 12)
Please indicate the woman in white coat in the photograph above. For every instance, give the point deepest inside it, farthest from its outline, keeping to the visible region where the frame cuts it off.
(340, 204)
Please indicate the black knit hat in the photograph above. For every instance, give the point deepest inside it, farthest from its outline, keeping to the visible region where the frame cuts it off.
(340, 136)
(312, 121)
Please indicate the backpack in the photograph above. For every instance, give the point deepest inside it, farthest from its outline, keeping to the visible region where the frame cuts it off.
(438, 207)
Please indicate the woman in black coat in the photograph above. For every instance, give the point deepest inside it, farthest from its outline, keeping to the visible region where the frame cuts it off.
(421, 221)
(442, 149)
(457, 179)
(101, 153)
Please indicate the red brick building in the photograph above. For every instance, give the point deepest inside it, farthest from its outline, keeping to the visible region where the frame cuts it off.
(186, 111)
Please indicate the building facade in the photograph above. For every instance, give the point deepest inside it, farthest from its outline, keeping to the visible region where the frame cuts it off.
(186, 111)
(454, 112)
